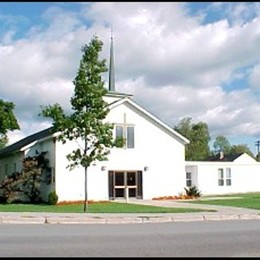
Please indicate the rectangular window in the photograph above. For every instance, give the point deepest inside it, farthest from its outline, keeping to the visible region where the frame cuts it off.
(119, 132)
(130, 137)
(127, 133)
(188, 179)
(220, 177)
(228, 176)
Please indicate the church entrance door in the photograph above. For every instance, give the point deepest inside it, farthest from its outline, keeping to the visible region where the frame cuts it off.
(123, 182)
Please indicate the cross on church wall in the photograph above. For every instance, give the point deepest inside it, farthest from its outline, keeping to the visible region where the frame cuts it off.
(122, 129)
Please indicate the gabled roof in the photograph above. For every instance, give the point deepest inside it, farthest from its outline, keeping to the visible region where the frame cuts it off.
(180, 137)
(18, 146)
(25, 141)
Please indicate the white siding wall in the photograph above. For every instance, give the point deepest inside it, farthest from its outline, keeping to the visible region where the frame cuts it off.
(244, 177)
(70, 184)
(153, 148)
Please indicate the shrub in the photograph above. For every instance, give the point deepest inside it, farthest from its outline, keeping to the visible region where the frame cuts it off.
(192, 191)
(53, 198)
(3, 199)
(24, 186)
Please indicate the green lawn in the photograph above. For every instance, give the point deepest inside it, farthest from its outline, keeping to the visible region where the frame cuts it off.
(108, 207)
(242, 200)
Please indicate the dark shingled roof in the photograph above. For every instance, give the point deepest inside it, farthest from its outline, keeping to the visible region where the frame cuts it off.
(27, 140)
(225, 158)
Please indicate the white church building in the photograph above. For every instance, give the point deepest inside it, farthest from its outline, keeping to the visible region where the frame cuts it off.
(150, 165)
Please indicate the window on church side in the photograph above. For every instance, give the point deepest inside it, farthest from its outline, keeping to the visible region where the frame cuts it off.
(188, 179)
(220, 177)
(228, 176)
(222, 181)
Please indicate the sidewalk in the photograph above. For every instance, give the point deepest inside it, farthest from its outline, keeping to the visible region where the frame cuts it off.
(222, 213)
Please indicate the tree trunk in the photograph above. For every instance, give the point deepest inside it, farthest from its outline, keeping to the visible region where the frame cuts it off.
(86, 190)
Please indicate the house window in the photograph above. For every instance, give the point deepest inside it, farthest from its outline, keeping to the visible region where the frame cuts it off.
(127, 134)
(188, 179)
(228, 176)
(220, 177)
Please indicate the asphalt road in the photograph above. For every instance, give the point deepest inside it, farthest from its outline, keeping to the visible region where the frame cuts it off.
(239, 238)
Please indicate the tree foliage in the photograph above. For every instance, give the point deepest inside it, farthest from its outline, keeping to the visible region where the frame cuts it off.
(198, 148)
(24, 186)
(8, 121)
(198, 134)
(32, 177)
(241, 148)
(11, 189)
(89, 111)
(3, 141)
(221, 143)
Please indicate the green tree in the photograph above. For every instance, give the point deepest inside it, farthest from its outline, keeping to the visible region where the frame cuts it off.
(184, 127)
(32, 177)
(89, 111)
(241, 148)
(25, 185)
(198, 134)
(11, 190)
(8, 121)
(199, 149)
(3, 141)
(221, 143)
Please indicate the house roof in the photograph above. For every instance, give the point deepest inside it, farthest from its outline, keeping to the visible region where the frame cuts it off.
(180, 137)
(24, 142)
(224, 158)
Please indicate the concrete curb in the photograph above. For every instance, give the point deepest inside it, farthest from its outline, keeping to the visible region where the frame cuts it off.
(22, 220)
(30, 219)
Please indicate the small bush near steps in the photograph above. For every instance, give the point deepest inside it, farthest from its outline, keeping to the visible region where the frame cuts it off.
(193, 192)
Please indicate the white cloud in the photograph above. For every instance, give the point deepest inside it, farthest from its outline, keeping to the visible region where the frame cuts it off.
(254, 78)
(175, 65)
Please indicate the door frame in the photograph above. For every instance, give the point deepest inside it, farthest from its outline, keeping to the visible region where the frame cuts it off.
(135, 189)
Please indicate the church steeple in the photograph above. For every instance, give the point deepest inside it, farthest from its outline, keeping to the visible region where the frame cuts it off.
(111, 86)
(112, 95)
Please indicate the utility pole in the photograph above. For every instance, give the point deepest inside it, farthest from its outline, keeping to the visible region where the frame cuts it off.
(257, 144)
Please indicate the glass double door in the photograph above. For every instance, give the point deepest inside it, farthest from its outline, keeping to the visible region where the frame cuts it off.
(125, 183)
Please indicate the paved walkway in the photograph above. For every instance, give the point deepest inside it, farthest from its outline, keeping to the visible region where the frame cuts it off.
(222, 213)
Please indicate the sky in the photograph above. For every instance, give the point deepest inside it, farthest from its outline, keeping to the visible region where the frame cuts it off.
(178, 59)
